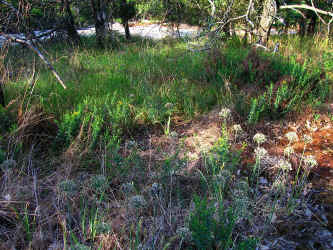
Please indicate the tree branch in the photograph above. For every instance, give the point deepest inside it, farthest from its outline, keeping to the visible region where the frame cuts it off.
(37, 51)
(307, 7)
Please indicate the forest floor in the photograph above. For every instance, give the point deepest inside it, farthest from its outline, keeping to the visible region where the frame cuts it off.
(154, 146)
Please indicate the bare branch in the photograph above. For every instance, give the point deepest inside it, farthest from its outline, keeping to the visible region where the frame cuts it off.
(36, 50)
(307, 7)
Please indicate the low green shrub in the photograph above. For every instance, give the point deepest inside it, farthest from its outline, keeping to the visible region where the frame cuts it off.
(212, 227)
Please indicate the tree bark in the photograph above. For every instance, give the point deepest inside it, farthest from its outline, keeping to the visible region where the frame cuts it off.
(312, 25)
(98, 7)
(127, 30)
(266, 21)
(125, 20)
(302, 27)
(70, 24)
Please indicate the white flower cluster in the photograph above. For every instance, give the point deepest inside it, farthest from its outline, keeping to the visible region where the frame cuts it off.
(292, 137)
(284, 165)
(288, 151)
(237, 128)
(259, 138)
(307, 139)
(168, 105)
(225, 113)
(310, 161)
(260, 152)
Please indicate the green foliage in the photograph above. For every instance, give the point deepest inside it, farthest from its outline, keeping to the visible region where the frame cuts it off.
(124, 9)
(212, 227)
(6, 119)
(2, 156)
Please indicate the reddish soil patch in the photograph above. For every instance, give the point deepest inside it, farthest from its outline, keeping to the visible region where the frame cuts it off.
(321, 148)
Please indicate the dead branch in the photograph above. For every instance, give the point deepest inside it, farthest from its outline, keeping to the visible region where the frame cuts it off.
(37, 51)
(307, 7)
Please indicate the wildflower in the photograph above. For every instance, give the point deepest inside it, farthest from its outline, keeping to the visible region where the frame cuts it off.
(260, 152)
(237, 128)
(288, 151)
(307, 139)
(259, 138)
(225, 113)
(137, 201)
(310, 161)
(168, 105)
(292, 137)
(284, 165)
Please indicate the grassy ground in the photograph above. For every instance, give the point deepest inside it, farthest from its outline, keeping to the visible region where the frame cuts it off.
(151, 147)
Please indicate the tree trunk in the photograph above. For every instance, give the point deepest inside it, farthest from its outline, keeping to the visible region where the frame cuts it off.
(100, 33)
(98, 7)
(70, 24)
(312, 25)
(266, 21)
(127, 30)
(2, 96)
(302, 27)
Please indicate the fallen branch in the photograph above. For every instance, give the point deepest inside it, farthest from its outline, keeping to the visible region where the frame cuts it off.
(37, 51)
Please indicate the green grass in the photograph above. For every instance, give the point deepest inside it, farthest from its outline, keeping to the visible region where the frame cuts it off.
(113, 92)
